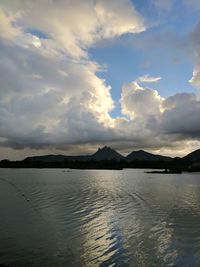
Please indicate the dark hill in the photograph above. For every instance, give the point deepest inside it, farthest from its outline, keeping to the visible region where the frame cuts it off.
(45, 158)
(56, 158)
(193, 156)
(106, 153)
(142, 155)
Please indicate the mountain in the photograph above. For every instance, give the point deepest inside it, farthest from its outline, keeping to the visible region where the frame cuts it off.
(45, 158)
(108, 158)
(106, 153)
(56, 158)
(141, 155)
(193, 156)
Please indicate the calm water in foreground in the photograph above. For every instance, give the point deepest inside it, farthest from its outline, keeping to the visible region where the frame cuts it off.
(99, 218)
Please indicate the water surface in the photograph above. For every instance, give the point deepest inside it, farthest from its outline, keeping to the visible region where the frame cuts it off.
(99, 218)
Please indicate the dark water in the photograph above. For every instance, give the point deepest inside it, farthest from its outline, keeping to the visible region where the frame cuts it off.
(99, 218)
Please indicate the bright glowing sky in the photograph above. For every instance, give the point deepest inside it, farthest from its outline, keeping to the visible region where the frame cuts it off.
(76, 75)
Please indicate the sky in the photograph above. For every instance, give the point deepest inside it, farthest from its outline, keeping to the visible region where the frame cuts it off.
(78, 75)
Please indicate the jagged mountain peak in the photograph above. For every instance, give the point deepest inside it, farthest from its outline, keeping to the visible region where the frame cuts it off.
(106, 153)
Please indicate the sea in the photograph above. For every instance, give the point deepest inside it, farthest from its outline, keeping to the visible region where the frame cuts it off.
(90, 218)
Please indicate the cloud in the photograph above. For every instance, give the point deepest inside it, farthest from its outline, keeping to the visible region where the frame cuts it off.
(50, 91)
(163, 5)
(181, 116)
(35, 95)
(193, 41)
(160, 121)
(148, 79)
(137, 101)
(77, 25)
(195, 80)
(7, 31)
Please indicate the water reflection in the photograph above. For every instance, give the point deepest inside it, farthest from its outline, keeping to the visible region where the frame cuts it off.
(100, 218)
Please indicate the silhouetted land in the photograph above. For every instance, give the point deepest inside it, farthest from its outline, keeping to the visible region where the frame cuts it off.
(166, 171)
(107, 158)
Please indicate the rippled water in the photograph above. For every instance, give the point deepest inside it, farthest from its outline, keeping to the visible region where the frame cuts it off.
(99, 218)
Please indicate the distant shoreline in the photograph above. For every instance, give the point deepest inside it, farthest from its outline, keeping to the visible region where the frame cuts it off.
(109, 159)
